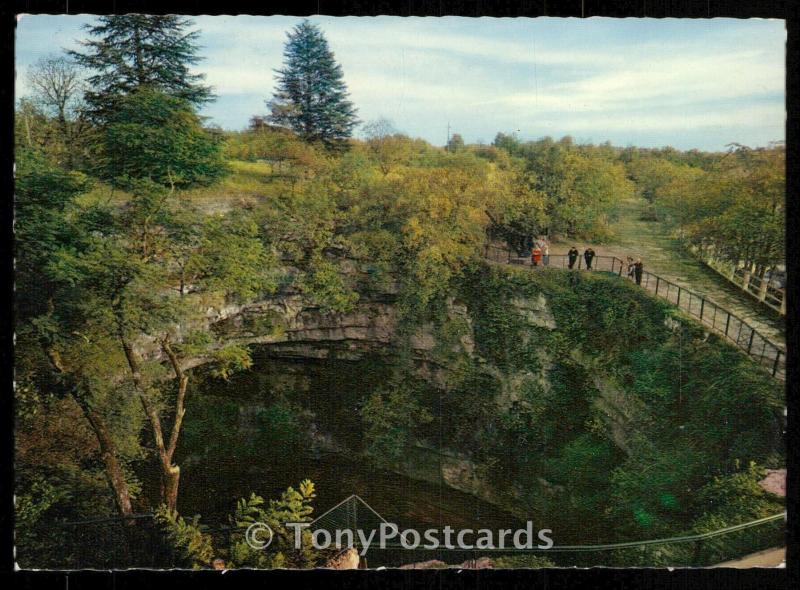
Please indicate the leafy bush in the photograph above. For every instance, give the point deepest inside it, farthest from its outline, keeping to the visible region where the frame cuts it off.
(194, 545)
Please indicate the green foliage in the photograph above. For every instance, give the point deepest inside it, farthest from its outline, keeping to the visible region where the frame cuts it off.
(582, 466)
(731, 499)
(498, 326)
(232, 258)
(388, 148)
(651, 175)
(292, 506)
(391, 418)
(229, 359)
(192, 545)
(33, 502)
(734, 499)
(325, 287)
(53, 118)
(311, 96)
(455, 143)
(153, 135)
(732, 208)
(280, 429)
(45, 196)
(694, 387)
(580, 184)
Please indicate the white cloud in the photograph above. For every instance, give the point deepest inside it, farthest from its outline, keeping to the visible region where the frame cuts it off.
(486, 75)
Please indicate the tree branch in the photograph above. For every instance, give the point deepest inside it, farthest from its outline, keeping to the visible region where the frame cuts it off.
(180, 409)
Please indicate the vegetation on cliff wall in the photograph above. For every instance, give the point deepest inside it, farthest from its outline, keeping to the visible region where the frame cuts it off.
(614, 424)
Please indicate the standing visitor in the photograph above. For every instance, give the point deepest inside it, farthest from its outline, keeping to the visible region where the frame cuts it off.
(572, 256)
(630, 266)
(588, 256)
(536, 255)
(638, 268)
(546, 253)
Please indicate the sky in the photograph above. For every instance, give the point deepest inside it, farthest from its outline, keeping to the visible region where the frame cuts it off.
(687, 83)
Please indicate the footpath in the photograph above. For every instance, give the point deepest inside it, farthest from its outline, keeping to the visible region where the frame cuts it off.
(664, 255)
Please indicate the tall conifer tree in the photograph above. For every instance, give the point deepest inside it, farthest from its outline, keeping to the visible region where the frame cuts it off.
(311, 97)
(135, 50)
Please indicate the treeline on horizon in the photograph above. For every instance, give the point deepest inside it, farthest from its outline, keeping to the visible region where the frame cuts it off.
(133, 219)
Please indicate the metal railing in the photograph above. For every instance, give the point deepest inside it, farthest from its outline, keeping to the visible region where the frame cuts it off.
(688, 550)
(758, 347)
(138, 541)
(765, 290)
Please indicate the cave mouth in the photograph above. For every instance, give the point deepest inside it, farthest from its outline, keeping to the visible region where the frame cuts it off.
(289, 418)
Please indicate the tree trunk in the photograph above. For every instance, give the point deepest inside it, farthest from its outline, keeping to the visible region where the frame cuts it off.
(108, 451)
(763, 284)
(64, 125)
(139, 59)
(27, 129)
(170, 473)
(155, 423)
(170, 477)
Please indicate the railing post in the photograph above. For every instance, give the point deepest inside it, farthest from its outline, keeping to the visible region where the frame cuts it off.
(777, 360)
(750, 344)
(702, 306)
(727, 323)
(658, 282)
(678, 303)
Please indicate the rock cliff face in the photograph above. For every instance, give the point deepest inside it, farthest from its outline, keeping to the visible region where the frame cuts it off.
(295, 329)
(292, 328)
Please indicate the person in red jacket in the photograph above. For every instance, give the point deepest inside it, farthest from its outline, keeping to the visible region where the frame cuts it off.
(536, 256)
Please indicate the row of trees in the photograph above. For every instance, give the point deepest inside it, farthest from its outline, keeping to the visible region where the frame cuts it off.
(731, 209)
(730, 205)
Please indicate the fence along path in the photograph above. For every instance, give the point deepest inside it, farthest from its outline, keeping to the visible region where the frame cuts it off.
(764, 351)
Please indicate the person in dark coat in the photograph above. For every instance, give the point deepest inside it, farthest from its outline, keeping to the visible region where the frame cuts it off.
(638, 269)
(588, 256)
(572, 256)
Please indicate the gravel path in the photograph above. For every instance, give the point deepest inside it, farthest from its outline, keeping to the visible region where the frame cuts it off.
(664, 256)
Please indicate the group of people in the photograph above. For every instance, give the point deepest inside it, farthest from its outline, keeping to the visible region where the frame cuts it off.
(588, 257)
(540, 253)
(635, 269)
